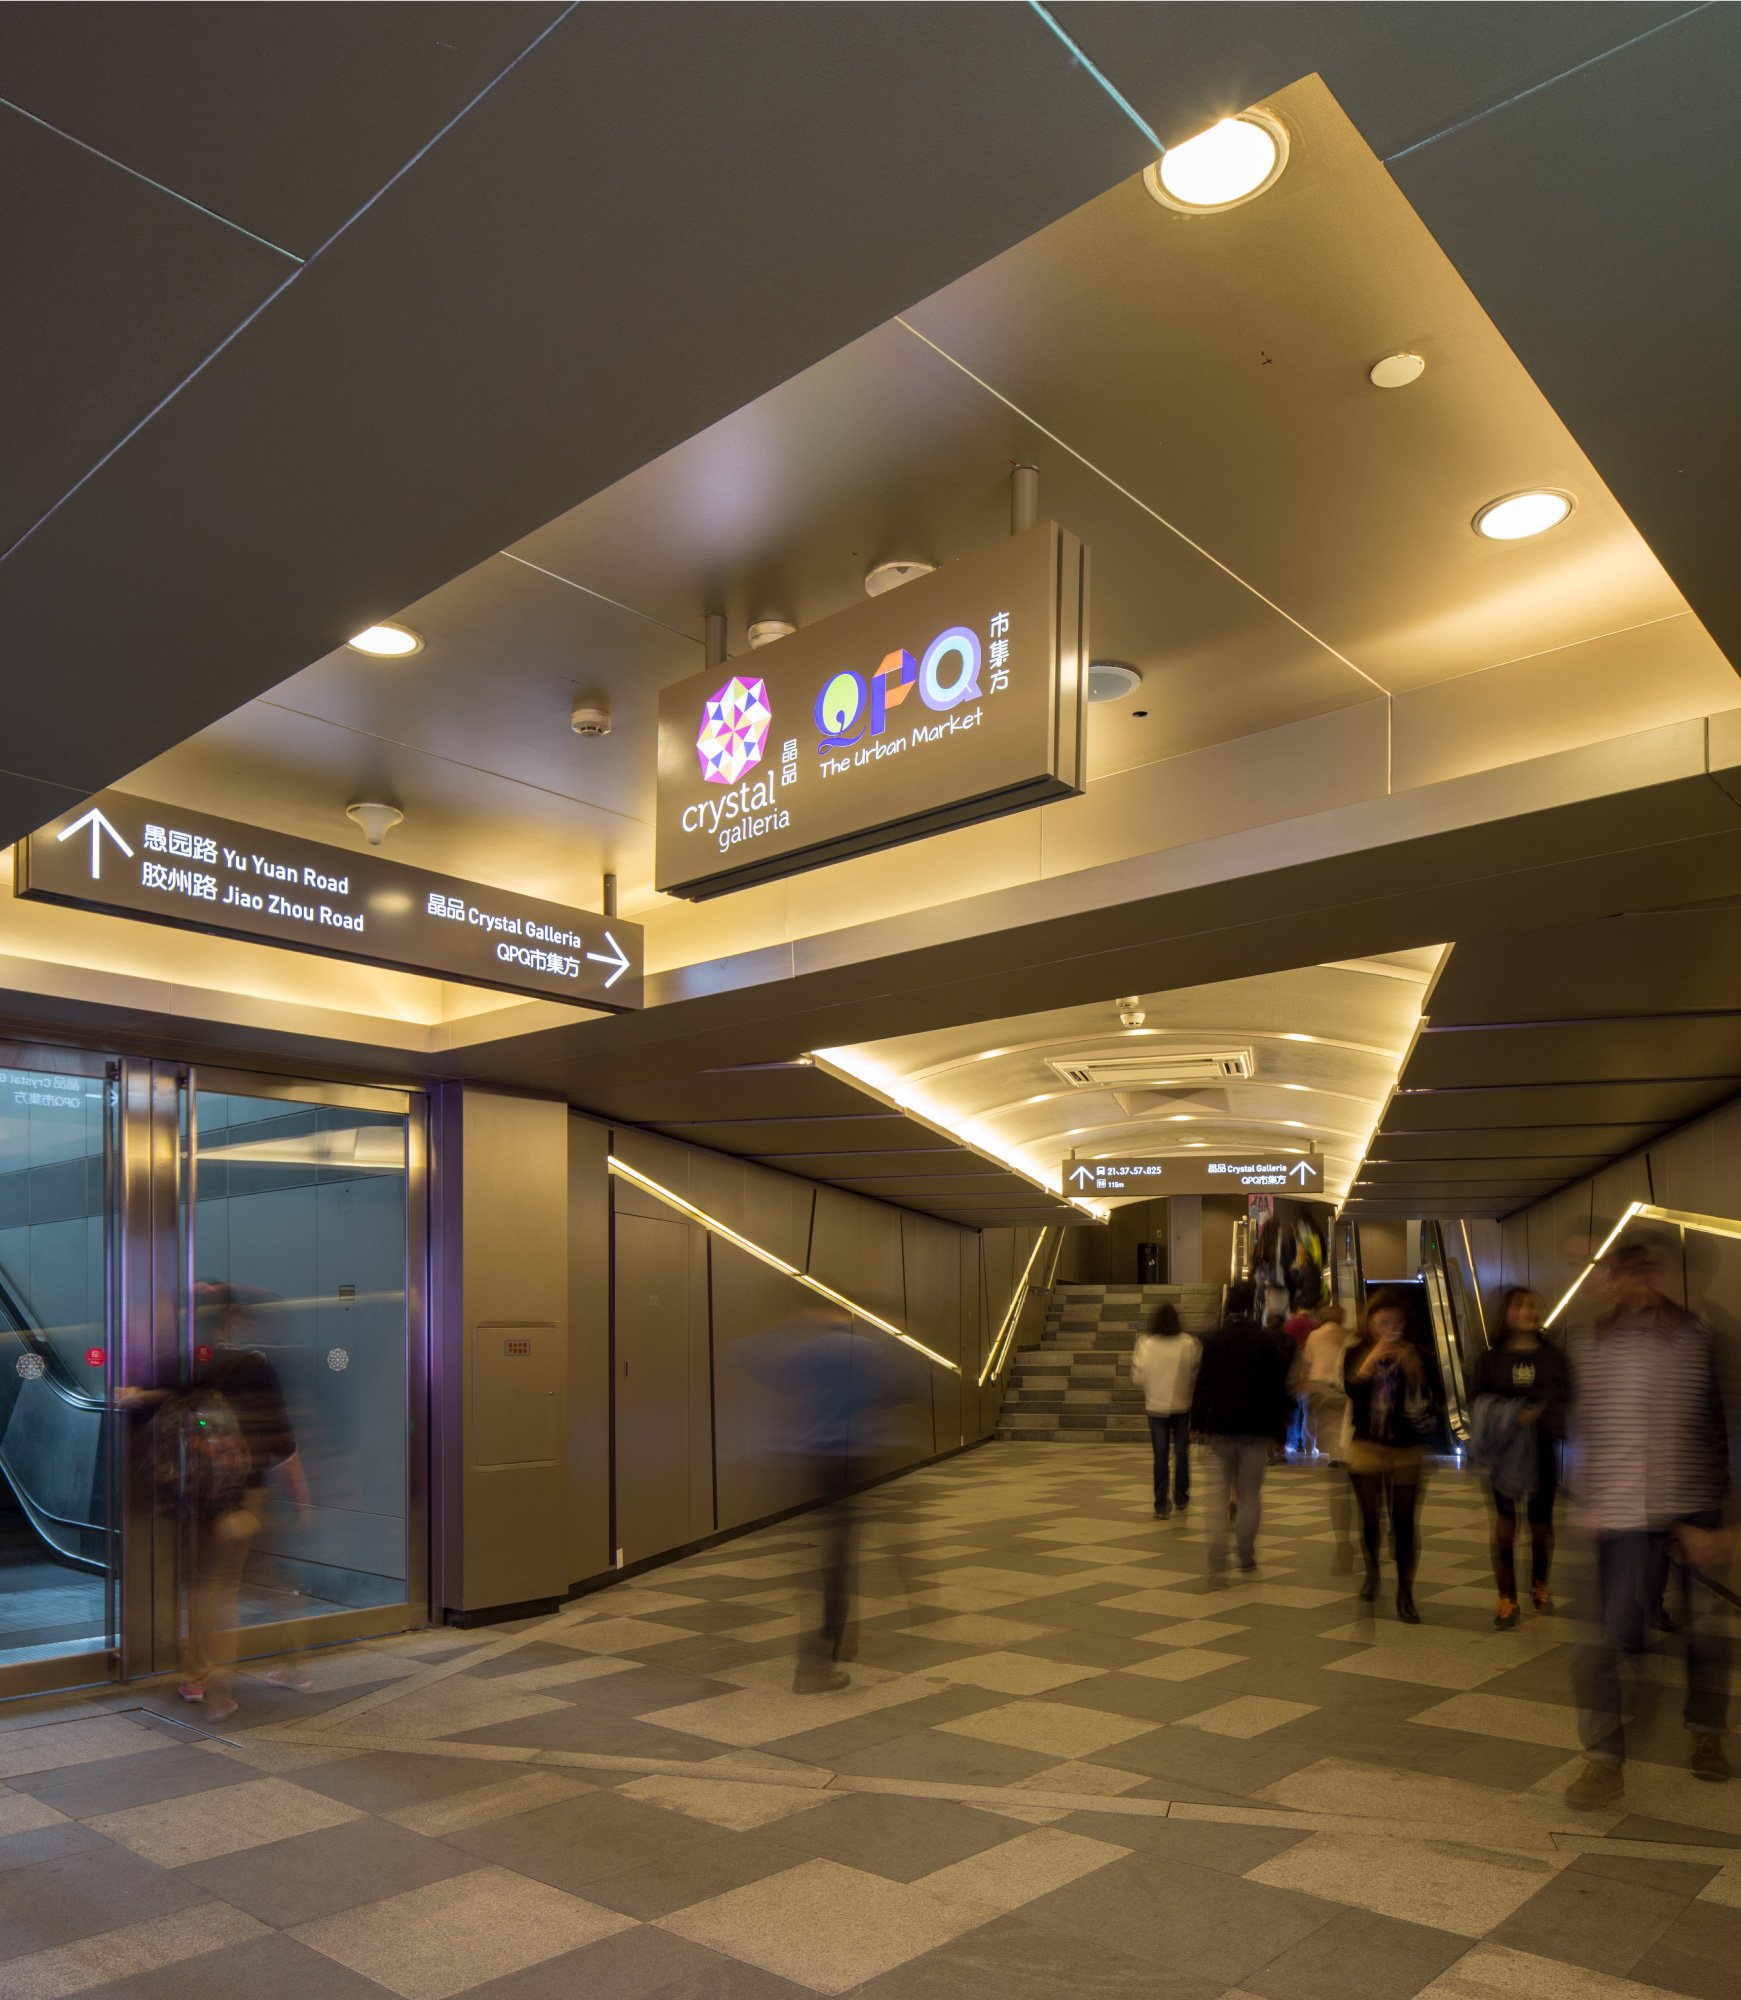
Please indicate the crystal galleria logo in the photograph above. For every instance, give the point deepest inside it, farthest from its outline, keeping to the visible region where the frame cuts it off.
(852, 706)
(734, 730)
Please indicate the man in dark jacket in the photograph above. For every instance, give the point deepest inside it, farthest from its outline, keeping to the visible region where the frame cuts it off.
(1240, 1408)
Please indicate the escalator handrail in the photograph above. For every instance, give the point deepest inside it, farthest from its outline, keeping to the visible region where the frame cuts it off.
(1443, 1317)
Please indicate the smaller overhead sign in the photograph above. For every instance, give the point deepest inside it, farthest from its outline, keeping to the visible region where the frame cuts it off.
(132, 857)
(1296, 1174)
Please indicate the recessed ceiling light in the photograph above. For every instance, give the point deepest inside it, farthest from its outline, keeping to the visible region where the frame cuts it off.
(1108, 680)
(1396, 371)
(1520, 515)
(1232, 162)
(1180, 1118)
(387, 642)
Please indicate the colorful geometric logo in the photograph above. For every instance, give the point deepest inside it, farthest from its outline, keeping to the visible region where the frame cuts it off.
(734, 730)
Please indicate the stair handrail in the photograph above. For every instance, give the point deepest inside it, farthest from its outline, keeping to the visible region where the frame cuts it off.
(1003, 1345)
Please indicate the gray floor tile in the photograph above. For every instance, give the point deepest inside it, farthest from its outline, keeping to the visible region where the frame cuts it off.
(897, 1837)
(694, 1873)
(642, 1964)
(1592, 1919)
(584, 1840)
(538, 1653)
(1700, 1955)
(47, 1843)
(1640, 1826)
(1197, 1923)
(936, 1757)
(265, 1968)
(1675, 1878)
(1358, 1955)
(380, 1781)
(294, 1881)
(1228, 1849)
(73, 1895)
(113, 1783)
(1017, 1959)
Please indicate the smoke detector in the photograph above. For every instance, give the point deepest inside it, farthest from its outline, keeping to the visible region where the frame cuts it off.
(766, 630)
(891, 575)
(376, 819)
(587, 718)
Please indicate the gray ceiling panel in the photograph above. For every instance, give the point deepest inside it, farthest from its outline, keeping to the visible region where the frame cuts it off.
(1578, 1144)
(1669, 1047)
(1644, 1105)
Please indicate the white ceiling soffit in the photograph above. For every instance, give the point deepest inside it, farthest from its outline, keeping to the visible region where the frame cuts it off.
(1325, 1042)
(1274, 540)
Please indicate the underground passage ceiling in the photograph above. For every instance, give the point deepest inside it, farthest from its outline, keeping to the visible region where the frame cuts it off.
(1277, 541)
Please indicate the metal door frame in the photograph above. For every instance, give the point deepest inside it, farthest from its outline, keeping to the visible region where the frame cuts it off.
(150, 1164)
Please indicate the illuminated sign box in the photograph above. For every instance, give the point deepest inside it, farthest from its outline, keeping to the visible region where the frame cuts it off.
(132, 857)
(1296, 1174)
(956, 698)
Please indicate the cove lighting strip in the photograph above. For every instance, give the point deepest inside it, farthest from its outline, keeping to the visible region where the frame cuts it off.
(1701, 1225)
(1007, 1332)
(714, 1227)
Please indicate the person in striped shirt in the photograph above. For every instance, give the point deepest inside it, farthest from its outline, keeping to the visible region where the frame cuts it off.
(1651, 1477)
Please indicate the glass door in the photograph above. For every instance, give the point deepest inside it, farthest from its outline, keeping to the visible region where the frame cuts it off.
(58, 1543)
(301, 1223)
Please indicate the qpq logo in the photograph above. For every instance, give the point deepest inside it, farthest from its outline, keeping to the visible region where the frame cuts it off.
(853, 707)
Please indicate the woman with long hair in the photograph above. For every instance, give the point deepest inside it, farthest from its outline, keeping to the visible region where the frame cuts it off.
(1528, 1378)
(1392, 1411)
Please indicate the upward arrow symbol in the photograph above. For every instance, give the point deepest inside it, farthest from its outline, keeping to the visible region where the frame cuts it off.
(1082, 1176)
(99, 826)
(1302, 1172)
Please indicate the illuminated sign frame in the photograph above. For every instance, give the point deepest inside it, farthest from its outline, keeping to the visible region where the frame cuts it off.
(1150, 1175)
(956, 698)
(135, 858)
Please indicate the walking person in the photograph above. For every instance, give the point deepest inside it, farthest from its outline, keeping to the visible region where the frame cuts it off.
(1391, 1411)
(1240, 1406)
(1651, 1473)
(1164, 1366)
(1519, 1399)
(1322, 1356)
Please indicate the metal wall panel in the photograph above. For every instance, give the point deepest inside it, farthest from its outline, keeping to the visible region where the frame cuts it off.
(589, 1350)
(655, 1416)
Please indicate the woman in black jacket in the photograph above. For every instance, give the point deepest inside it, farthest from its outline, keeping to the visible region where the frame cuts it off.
(1524, 1367)
(1392, 1410)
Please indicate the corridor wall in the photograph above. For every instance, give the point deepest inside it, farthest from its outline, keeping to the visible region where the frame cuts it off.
(687, 1415)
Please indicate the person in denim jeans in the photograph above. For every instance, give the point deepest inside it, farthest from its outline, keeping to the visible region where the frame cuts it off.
(1164, 1367)
(1651, 1475)
(1241, 1405)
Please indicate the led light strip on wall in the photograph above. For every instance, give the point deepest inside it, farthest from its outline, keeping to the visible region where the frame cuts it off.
(1701, 1225)
(714, 1227)
(1007, 1331)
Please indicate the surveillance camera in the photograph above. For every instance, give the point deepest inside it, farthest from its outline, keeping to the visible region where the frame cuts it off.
(1131, 1017)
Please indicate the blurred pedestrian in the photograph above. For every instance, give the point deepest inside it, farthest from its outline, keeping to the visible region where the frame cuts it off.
(219, 1435)
(1240, 1407)
(1327, 1418)
(1518, 1403)
(1164, 1366)
(1391, 1411)
(1651, 1474)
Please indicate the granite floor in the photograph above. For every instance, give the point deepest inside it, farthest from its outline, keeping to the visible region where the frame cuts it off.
(1067, 1763)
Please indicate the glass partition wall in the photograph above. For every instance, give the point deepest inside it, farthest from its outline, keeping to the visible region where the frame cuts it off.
(232, 1255)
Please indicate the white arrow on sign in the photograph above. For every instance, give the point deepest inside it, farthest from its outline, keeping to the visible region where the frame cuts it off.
(99, 826)
(1303, 1172)
(615, 956)
(1082, 1176)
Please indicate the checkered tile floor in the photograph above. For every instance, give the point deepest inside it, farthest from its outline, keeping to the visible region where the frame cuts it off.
(1066, 1764)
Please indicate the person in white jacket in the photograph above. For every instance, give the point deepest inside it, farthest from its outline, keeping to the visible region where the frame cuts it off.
(1164, 1367)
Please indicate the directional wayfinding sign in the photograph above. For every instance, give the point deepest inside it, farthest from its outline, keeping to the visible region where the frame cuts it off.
(134, 858)
(1302, 1176)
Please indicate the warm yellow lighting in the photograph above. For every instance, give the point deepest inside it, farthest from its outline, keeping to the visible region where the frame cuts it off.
(713, 1225)
(1230, 163)
(387, 642)
(1179, 1118)
(1006, 1332)
(1520, 515)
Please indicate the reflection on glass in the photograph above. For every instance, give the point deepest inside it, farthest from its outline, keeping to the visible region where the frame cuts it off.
(299, 1260)
(54, 1502)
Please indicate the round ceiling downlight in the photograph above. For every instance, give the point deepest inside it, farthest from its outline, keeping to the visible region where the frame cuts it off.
(1109, 681)
(1396, 371)
(1520, 515)
(1234, 161)
(387, 642)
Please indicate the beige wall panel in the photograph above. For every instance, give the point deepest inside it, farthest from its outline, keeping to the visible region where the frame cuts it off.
(589, 1350)
(1382, 1252)
(1683, 1168)
(1604, 687)
(856, 1247)
(931, 1260)
(891, 1418)
(764, 1393)
(1329, 760)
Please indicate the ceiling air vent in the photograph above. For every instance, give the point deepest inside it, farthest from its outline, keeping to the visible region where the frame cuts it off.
(1153, 1069)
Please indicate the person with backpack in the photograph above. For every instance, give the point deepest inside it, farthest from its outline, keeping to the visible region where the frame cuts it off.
(1240, 1405)
(219, 1434)
(1519, 1396)
(1163, 1366)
